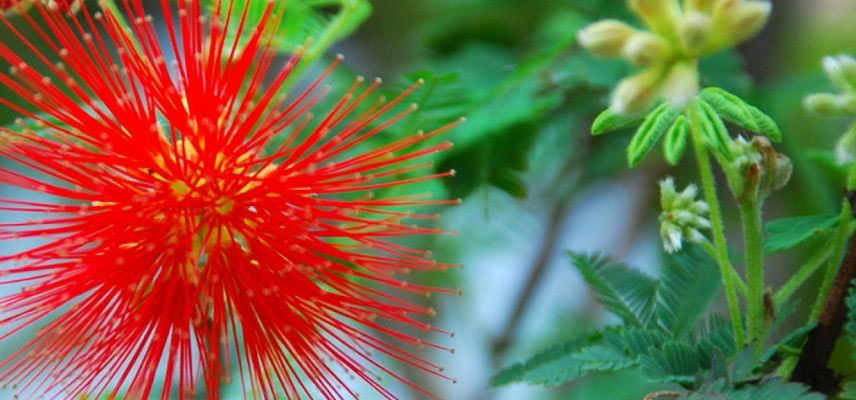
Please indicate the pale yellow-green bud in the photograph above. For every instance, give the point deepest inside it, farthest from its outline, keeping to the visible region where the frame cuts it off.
(605, 38)
(694, 31)
(831, 104)
(660, 15)
(736, 20)
(681, 84)
(637, 93)
(841, 70)
(845, 149)
(704, 6)
(646, 48)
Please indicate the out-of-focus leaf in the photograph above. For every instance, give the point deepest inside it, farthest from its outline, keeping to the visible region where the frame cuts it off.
(301, 20)
(785, 233)
(495, 162)
(726, 70)
(773, 389)
(851, 310)
(849, 391)
(608, 121)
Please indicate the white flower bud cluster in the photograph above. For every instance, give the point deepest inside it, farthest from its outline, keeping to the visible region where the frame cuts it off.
(681, 31)
(683, 217)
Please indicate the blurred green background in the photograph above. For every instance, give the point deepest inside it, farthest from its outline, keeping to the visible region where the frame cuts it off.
(535, 184)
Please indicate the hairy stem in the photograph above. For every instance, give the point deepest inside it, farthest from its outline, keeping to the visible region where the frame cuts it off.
(738, 280)
(708, 184)
(753, 236)
(803, 273)
(841, 235)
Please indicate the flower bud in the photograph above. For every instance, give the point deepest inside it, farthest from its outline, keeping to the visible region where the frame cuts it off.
(681, 84)
(841, 71)
(660, 15)
(845, 149)
(781, 173)
(636, 93)
(683, 217)
(605, 38)
(704, 6)
(740, 20)
(694, 31)
(745, 153)
(646, 48)
(831, 104)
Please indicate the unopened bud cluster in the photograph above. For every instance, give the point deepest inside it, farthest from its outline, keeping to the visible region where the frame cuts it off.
(761, 168)
(680, 32)
(683, 217)
(841, 70)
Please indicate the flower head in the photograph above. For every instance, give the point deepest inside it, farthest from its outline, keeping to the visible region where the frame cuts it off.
(192, 221)
(841, 70)
(680, 32)
(683, 217)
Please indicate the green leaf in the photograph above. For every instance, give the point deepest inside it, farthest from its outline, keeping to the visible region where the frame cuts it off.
(544, 363)
(676, 140)
(299, 22)
(676, 361)
(790, 345)
(652, 129)
(849, 391)
(635, 342)
(785, 233)
(609, 121)
(442, 99)
(715, 130)
(851, 310)
(689, 284)
(741, 113)
(716, 336)
(625, 292)
(773, 389)
(494, 162)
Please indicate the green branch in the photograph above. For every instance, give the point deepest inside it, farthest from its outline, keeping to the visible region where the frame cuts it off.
(708, 184)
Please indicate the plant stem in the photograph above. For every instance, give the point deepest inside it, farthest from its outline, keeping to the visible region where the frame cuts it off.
(805, 271)
(708, 184)
(834, 261)
(738, 280)
(753, 236)
(812, 368)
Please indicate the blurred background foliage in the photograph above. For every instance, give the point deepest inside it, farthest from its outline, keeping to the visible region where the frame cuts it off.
(535, 184)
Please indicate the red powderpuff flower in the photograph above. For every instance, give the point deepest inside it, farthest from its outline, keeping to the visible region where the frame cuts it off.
(192, 222)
